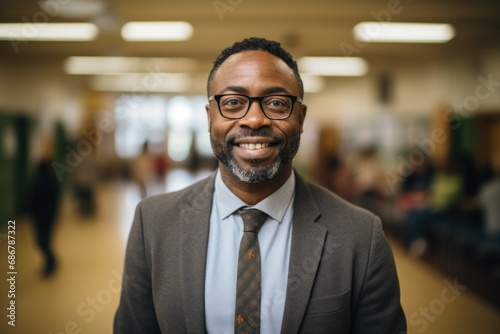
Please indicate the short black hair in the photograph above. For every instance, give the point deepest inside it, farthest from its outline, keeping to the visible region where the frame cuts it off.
(260, 44)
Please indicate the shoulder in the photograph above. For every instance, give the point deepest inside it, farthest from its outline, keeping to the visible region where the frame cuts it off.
(331, 205)
(354, 227)
(355, 234)
(197, 195)
(158, 219)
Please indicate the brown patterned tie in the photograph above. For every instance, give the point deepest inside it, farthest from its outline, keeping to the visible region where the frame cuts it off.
(248, 285)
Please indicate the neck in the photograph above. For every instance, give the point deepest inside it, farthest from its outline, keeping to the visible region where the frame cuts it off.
(253, 193)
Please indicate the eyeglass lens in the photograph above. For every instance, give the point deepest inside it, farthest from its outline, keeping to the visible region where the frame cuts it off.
(236, 106)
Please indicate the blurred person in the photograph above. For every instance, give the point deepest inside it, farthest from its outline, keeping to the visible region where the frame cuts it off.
(326, 264)
(413, 201)
(441, 205)
(489, 199)
(161, 165)
(44, 204)
(84, 176)
(367, 178)
(143, 170)
(446, 189)
(415, 187)
(339, 179)
(470, 211)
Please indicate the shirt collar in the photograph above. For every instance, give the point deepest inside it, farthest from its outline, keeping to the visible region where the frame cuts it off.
(274, 205)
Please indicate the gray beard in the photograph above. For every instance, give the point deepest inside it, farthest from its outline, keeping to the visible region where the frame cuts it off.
(255, 175)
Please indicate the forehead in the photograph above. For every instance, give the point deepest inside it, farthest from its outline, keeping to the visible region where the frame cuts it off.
(254, 70)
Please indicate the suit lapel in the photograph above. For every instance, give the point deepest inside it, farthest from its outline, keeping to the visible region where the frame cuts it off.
(195, 224)
(307, 246)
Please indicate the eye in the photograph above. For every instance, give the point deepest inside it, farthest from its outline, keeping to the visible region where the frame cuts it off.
(233, 102)
(277, 102)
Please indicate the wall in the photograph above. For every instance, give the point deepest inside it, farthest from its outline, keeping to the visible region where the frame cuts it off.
(419, 87)
(41, 90)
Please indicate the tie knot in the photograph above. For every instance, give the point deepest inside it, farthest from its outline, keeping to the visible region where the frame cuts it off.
(253, 219)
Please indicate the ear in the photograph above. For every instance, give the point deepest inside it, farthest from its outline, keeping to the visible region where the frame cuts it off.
(302, 116)
(209, 116)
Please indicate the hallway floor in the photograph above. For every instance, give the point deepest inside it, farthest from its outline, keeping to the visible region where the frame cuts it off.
(82, 296)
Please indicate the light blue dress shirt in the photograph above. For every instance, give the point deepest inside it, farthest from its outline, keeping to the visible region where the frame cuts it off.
(275, 237)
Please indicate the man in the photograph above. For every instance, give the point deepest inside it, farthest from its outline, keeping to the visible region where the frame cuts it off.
(325, 265)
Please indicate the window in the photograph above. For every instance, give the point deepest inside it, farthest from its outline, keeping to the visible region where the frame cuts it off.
(175, 122)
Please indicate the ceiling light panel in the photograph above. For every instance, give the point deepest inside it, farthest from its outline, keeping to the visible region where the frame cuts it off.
(157, 31)
(130, 65)
(48, 31)
(312, 83)
(394, 32)
(333, 66)
(74, 9)
(146, 83)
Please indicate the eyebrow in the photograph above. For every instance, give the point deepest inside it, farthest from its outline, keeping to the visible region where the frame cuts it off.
(243, 90)
(272, 90)
(237, 89)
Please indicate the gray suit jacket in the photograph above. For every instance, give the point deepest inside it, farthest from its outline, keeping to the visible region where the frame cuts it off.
(341, 279)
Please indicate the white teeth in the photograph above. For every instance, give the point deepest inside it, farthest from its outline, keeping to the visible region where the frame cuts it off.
(252, 146)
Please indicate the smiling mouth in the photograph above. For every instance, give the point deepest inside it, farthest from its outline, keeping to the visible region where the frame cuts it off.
(254, 146)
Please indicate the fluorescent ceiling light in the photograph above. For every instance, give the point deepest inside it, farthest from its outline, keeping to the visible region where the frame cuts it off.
(144, 83)
(312, 83)
(157, 31)
(334, 66)
(74, 8)
(48, 31)
(130, 65)
(393, 32)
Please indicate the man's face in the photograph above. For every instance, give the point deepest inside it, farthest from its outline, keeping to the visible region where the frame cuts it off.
(255, 148)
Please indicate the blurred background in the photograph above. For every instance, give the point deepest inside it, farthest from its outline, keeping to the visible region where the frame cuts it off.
(98, 114)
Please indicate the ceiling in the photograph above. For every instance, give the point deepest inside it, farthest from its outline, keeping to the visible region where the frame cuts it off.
(312, 28)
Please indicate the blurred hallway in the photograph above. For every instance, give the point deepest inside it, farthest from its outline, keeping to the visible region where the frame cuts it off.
(407, 126)
(83, 294)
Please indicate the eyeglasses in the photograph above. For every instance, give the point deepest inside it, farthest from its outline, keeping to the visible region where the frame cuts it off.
(236, 106)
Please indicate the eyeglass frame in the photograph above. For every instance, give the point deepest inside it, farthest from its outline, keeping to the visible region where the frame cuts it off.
(259, 99)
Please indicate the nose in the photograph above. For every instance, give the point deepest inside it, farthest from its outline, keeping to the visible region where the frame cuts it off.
(255, 117)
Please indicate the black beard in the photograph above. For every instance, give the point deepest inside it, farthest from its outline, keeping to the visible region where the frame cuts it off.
(223, 153)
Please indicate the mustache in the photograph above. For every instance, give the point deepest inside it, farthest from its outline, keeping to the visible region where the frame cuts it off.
(245, 133)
